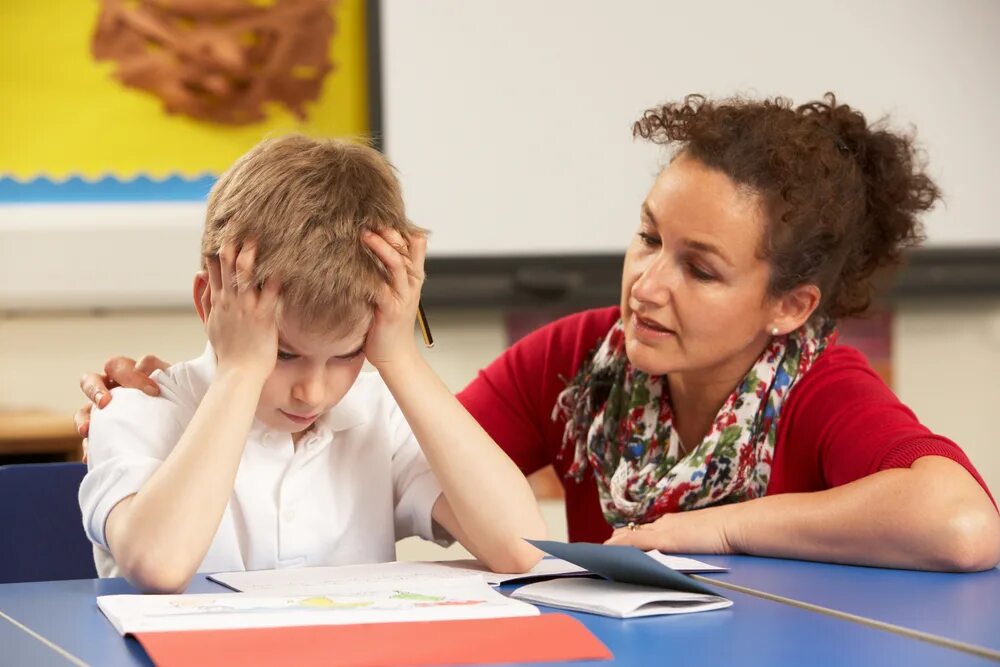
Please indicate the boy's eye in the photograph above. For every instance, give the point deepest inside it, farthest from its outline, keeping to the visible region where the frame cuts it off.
(285, 356)
(349, 357)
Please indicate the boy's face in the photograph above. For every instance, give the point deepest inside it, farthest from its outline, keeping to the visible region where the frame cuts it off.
(312, 373)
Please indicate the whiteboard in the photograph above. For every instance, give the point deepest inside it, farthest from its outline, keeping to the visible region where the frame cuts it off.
(510, 120)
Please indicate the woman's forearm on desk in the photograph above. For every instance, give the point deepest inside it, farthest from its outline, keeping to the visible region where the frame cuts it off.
(931, 516)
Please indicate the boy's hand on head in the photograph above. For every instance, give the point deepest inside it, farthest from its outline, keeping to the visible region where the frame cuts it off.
(392, 334)
(240, 316)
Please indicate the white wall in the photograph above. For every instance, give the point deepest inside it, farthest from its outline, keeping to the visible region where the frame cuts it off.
(510, 120)
(946, 361)
(946, 366)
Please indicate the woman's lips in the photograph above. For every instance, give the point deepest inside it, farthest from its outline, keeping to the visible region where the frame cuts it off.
(645, 328)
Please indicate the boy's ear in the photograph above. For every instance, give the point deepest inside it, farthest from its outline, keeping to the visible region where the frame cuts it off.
(202, 295)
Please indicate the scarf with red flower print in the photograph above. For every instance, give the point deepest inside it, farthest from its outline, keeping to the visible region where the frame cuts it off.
(618, 420)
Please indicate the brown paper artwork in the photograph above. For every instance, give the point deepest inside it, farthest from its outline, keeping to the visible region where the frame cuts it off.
(219, 60)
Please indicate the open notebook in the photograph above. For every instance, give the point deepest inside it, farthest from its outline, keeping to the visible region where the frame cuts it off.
(633, 584)
(429, 599)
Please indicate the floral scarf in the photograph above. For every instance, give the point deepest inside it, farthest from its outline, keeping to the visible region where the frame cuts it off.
(618, 421)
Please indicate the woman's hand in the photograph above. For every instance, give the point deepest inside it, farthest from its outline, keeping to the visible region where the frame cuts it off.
(703, 531)
(391, 336)
(240, 317)
(118, 372)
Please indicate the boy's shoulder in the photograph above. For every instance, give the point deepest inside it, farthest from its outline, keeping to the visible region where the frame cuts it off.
(186, 383)
(182, 386)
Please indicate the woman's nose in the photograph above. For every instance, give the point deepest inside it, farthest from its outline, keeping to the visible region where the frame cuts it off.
(655, 281)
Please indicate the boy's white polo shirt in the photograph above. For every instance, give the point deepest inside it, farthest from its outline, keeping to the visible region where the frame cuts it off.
(356, 484)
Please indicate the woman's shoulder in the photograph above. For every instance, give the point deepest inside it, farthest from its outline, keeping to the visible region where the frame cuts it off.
(841, 373)
(841, 420)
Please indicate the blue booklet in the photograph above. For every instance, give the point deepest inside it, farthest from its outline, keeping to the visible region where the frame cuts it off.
(634, 584)
(626, 565)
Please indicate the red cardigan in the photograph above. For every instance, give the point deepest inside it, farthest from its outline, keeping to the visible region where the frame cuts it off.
(839, 423)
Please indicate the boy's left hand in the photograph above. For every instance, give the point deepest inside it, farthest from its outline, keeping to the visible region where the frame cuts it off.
(391, 336)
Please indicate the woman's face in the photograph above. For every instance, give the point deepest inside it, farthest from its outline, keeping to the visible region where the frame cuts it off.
(694, 291)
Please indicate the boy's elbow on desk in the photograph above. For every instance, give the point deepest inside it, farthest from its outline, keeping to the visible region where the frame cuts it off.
(518, 556)
(151, 574)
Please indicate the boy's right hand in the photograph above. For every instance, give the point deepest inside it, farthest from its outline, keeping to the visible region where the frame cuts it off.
(126, 372)
(240, 317)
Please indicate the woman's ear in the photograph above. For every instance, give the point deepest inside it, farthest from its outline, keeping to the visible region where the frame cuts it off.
(202, 295)
(793, 309)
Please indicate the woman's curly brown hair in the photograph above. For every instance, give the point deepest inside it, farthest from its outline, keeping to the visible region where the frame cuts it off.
(843, 197)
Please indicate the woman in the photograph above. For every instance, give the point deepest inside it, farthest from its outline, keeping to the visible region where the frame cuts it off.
(713, 410)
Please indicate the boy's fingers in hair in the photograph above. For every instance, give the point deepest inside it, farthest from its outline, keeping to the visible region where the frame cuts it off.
(243, 266)
(390, 257)
(384, 250)
(122, 371)
(81, 419)
(227, 258)
(269, 292)
(95, 389)
(418, 253)
(397, 241)
(215, 275)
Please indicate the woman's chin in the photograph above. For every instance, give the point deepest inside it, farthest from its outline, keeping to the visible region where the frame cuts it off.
(648, 359)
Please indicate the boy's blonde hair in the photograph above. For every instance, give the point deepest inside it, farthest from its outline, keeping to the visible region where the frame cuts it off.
(307, 203)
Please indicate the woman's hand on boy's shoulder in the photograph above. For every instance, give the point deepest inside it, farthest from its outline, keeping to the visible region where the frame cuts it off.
(391, 336)
(118, 372)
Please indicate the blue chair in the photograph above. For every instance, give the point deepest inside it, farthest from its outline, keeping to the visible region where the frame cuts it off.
(40, 521)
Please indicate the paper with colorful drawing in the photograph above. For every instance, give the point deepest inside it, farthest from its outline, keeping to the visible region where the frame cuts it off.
(429, 599)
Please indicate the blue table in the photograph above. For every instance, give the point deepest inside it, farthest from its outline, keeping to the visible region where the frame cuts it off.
(963, 608)
(754, 631)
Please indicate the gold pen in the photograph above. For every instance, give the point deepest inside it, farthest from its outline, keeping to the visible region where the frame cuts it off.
(425, 328)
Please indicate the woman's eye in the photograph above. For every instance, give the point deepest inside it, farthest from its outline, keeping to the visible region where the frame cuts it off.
(285, 356)
(701, 274)
(649, 239)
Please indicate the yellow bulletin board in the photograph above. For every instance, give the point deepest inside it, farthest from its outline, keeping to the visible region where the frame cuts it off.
(64, 114)
(95, 162)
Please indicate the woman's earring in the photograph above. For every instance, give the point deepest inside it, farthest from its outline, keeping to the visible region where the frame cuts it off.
(774, 331)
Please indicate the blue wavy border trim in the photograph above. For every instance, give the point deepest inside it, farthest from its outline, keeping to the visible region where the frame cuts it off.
(108, 189)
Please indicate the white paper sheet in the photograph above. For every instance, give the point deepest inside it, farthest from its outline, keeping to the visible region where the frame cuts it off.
(684, 564)
(430, 599)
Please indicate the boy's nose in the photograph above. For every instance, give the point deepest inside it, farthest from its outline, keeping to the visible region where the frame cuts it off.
(310, 391)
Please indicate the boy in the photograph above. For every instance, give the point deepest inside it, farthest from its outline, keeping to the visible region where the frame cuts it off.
(272, 449)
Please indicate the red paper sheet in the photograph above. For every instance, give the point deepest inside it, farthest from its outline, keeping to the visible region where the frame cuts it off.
(549, 637)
